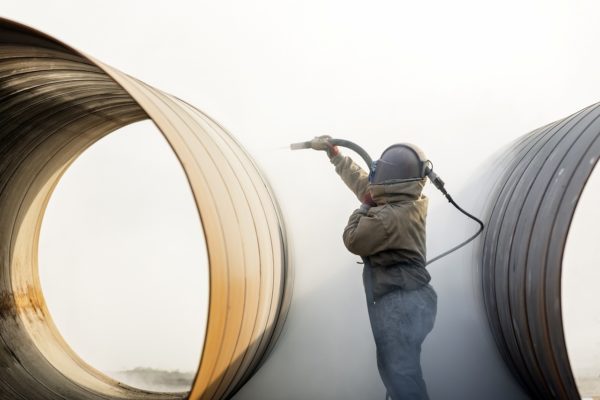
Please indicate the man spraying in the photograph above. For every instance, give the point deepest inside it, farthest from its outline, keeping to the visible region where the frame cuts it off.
(388, 232)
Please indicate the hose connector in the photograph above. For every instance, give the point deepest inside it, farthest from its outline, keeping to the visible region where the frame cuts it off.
(436, 180)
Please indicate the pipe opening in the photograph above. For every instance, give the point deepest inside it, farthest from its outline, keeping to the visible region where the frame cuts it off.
(123, 264)
(580, 305)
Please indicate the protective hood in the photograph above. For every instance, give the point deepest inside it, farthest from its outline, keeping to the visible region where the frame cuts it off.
(397, 191)
(394, 231)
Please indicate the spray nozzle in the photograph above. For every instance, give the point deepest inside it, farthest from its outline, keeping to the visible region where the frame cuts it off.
(301, 145)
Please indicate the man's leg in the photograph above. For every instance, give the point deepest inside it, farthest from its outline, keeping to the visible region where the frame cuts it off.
(400, 321)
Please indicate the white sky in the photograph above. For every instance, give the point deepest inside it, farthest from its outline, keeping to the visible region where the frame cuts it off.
(123, 263)
(459, 78)
(581, 275)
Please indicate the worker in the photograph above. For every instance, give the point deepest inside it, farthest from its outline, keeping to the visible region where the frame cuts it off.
(388, 232)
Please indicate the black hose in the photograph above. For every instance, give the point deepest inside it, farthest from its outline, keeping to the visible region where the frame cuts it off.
(481, 226)
(434, 179)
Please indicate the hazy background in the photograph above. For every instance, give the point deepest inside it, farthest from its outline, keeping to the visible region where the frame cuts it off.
(122, 258)
(459, 78)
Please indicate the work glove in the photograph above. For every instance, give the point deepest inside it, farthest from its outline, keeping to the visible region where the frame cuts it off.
(323, 143)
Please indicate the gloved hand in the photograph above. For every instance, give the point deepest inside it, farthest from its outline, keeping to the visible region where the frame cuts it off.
(323, 143)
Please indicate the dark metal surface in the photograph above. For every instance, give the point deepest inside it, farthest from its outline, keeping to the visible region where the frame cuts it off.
(528, 225)
(56, 102)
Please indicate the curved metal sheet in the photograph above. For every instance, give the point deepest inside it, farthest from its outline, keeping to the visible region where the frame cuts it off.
(527, 230)
(56, 102)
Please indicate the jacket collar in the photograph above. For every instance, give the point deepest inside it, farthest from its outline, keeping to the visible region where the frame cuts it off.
(397, 191)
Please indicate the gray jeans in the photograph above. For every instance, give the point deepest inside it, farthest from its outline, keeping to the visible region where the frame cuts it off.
(400, 321)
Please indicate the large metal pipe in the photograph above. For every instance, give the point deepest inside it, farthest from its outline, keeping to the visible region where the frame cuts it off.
(55, 102)
(531, 212)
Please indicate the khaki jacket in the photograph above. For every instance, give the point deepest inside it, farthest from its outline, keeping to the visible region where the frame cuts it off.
(390, 235)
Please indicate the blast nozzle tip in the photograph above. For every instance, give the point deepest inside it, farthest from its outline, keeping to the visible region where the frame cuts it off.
(300, 146)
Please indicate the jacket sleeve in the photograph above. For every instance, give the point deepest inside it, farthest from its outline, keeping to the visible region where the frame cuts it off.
(356, 178)
(365, 233)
